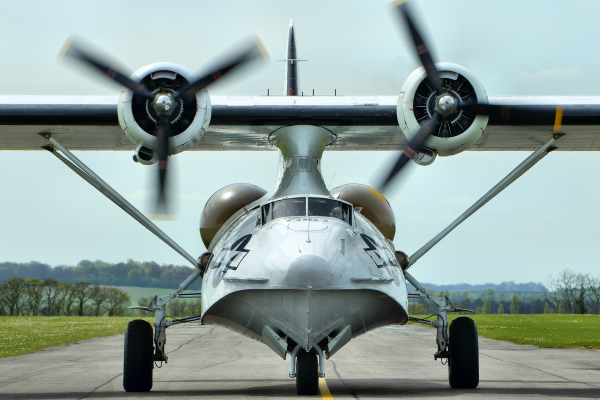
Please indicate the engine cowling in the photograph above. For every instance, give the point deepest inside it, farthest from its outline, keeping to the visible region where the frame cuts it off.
(456, 132)
(138, 119)
(223, 205)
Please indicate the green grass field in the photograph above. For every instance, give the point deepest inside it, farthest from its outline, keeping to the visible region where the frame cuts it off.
(542, 330)
(23, 335)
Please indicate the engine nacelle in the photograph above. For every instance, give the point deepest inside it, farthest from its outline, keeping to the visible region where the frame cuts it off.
(138, 119)
(375, 207)
(223, 205)
(456, 132)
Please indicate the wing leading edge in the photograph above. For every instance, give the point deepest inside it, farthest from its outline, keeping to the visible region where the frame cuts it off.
(245, 122)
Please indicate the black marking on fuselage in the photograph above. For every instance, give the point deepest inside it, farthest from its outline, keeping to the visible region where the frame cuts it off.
(232, 256)
(377, 252)
(373, 251)
(238, 246)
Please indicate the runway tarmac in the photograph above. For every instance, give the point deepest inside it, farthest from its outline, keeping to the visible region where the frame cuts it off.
(208, 362)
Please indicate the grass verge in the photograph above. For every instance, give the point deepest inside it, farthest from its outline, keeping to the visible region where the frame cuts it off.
(23, 335)
(542, 330)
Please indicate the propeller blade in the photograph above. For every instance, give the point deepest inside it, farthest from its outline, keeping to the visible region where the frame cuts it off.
(411, 149)
(70, 49)
(163, 133)
(251, 52)
(402, 8)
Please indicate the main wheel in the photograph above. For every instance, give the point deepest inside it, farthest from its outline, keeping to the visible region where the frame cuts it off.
(138, 358)
(463, 358)
(307, 373)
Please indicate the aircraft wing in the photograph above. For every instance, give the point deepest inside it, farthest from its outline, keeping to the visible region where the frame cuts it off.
(245, 122)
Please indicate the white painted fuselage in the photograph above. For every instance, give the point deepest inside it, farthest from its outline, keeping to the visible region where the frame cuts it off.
(306, 277)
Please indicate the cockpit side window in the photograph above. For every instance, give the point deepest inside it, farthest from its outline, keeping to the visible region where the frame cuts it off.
(294, 207)
(330, 208)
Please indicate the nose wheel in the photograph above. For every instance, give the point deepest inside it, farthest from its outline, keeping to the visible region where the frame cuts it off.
(307, 374)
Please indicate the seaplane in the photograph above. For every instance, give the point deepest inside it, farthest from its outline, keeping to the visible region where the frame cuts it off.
(304, 269)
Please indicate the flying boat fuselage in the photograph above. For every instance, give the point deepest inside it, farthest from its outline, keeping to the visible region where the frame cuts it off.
(302, 265)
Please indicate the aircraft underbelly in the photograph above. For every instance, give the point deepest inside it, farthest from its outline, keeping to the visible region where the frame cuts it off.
(306, 316)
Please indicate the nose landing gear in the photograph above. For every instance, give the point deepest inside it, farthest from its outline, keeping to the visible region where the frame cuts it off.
(307, 368)
(307, 374)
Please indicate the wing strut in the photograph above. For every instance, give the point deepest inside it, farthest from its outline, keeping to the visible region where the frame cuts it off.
(503, 184)
(90, 177)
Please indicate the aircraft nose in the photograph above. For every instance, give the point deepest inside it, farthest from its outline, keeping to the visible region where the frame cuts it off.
(309, 270)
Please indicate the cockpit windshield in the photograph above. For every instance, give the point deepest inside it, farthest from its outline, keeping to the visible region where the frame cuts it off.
(330, 208)
(295, 207)
(317, 207)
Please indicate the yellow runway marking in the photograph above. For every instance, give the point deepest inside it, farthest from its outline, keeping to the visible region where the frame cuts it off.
(325, 393)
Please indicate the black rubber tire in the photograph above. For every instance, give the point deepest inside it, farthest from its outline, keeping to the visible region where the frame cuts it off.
(307, 374)
(463, 358)
(138, 360)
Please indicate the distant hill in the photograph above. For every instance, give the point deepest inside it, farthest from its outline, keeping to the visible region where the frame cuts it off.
(511, 286)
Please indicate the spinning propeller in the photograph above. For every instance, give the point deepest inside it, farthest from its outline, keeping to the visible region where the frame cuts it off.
(446, 103)
(164, 103)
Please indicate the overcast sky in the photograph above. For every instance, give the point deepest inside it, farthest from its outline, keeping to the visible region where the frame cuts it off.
(546, 221)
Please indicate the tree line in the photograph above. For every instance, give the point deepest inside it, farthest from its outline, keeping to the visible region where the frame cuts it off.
(506, 287)
(32, 296)
(573, 293)
(487, 302)
(130, 273)
(569, 293)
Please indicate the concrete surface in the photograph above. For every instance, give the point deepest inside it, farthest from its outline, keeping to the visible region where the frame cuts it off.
(211, 362)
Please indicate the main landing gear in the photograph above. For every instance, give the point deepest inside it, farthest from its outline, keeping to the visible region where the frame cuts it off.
(461, 347)
(138, 356)
(463, 355)
(145, 345)
(463, 351)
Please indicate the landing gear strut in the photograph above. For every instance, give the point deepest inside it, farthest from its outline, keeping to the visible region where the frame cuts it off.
(143, 347)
